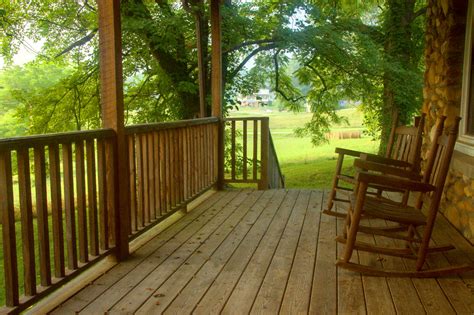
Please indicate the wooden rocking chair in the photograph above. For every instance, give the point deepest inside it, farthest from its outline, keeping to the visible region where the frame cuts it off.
(411, 218)
(403, 152)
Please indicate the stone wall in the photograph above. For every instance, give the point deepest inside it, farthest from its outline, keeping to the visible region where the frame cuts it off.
(444, 52)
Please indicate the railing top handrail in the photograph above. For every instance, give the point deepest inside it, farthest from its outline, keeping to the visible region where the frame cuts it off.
(54, 138)
(245, 118)
(141, 128)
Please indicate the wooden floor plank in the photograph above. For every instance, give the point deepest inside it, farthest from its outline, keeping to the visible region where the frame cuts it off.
(271, 292)
(378, 299)
(324, 289)
(298, 291)
(215, 298)
(350, 293)
(431, 296)
(456, 290)
(241, 299)
(404, 295)
(270, 252)
(95, 289)
(138, 279)
(189, 297)
(199, 249)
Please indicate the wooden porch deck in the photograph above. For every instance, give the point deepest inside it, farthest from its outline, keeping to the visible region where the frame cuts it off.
(266, 252)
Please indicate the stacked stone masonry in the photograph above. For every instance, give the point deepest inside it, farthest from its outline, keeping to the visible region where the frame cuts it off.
(444, 52)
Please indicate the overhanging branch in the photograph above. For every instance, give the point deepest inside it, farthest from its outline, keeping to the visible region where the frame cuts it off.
(250, 56)
(277, 81)
(78, 43)
(249, 43)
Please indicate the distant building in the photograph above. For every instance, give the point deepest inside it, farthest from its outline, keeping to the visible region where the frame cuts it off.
(262, 98)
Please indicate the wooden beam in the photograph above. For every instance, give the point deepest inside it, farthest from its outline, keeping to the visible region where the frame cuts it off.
(217, 86)
(201, 65)
(216, 58)
(110, 50)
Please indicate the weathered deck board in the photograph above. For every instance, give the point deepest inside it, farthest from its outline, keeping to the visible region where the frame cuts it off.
(268, 252)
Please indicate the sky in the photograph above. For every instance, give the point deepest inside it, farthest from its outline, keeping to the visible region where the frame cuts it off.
(26, 53)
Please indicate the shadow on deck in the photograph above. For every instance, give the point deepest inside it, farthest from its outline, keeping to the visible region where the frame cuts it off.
(266, 252)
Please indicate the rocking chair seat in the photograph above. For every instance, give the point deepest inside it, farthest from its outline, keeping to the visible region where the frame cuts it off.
(377, 208)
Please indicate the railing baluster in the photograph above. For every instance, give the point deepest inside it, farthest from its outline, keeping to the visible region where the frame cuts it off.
(151, 176)
(232, 150)
(244, 150)
(110, 149)
(92, 198)
(146, 176)
(56, 210)
(264, 142)
(7, 210)
(156, 158)
(208, 154)
(102, 183)
(26, 210)
(42, 216)
(186, 163)
(69, 206)
(164, 205)
(173, 163)
(133, 183)
(81, 202)
(202, 173)
(195, 161)
(140, 180)
(255, 156)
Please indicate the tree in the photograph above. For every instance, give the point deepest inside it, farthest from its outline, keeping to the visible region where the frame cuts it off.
(338, 50)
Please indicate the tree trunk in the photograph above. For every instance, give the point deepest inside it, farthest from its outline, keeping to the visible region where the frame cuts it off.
(399, 50)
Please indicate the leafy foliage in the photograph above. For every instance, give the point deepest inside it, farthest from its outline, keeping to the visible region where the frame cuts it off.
(313, 53)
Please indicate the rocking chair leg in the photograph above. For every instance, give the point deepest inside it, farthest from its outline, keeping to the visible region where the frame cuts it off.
(353, 219)
(335, 182)
(425, 243)
(411, 233)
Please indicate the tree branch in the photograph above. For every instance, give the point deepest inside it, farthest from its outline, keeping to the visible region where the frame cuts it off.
(277, 81)
(78, 43)
(249, 56)
(250, 43)
(418, 13)
(325, 87)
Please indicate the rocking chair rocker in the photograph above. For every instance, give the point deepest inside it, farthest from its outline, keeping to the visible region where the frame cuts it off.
(411, 220)
(403, 152)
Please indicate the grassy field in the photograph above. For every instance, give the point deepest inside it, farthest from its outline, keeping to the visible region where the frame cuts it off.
(304, 165)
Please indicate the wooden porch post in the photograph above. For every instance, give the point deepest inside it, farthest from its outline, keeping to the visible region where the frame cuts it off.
(216, 85)
(111, 97)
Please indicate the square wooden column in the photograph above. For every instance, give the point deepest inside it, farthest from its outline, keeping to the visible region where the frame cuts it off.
(216, 85)
(111, 97)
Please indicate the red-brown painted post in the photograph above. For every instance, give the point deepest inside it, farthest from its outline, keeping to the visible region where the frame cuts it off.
(216, 85)
(110, 49)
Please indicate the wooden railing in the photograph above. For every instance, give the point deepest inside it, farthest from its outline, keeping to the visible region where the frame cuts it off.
(59, 192)
(170, 164)
(58, 196)
(60, 187)
(251, 156)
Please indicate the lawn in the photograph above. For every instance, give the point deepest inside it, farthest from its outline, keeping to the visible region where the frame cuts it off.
(304, 165)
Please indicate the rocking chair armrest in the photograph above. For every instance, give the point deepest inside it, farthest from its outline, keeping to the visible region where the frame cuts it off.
(384, 160)
(349, 152)
(394, 182)
(386, 169)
